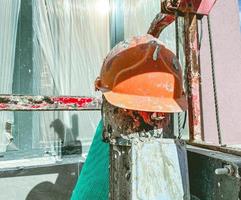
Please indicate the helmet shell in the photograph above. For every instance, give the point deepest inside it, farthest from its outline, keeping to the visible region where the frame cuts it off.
(142, 74)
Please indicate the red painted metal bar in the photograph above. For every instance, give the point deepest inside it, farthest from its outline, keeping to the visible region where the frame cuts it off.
(193, 77)
(46, 103)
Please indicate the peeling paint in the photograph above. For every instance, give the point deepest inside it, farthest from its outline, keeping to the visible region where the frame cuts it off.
(159, 170)
(160, 22)
(121, 125)
(32, 103)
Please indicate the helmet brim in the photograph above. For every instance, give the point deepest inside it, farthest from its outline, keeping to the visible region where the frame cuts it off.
(146, 103)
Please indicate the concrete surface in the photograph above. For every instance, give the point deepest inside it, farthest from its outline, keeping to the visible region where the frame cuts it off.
(55, 182)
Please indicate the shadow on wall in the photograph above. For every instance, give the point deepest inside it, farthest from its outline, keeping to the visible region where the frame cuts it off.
(61, 189)
(68, 136)
(67, 177)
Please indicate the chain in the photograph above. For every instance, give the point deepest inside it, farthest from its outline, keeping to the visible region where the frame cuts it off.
(214, 83)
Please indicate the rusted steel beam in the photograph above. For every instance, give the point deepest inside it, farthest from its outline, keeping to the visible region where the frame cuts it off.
(120, 172)
(160, 22)
(46, 103)
(224, 149)
(193, 76)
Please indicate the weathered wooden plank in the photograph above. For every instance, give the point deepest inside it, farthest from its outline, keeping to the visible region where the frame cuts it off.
(48, 103)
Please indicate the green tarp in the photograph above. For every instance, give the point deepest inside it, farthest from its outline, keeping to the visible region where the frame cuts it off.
(93, 182)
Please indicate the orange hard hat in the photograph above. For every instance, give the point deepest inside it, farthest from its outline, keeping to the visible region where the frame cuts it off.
(142, 74)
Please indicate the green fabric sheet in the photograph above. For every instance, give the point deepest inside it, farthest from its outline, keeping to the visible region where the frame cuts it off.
(93, 182)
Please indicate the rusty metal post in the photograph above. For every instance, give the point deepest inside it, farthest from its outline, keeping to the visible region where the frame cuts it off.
(120, 172)
(145, 161)
(193, 76)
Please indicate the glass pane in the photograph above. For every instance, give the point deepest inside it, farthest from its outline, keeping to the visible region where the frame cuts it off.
(59, 136)
(70, 41)
(53, 48)
(143, 11)
(9, 13)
